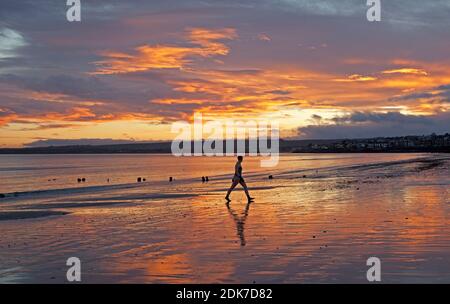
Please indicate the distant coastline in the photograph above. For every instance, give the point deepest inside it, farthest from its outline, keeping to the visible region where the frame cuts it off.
(404, 144)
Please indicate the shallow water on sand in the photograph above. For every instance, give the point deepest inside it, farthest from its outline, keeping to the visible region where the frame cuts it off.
(22, 173)
(305, 226)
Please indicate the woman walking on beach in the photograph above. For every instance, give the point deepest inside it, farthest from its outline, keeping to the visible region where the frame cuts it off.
(238, 179)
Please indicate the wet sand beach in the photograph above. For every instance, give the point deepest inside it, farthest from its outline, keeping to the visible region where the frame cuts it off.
(315, 222)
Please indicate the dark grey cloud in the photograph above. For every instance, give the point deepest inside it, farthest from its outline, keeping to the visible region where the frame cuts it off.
(438, 94)
(87, 87)
(366, 125)
(111, 95)
(57, 46)
(390, 117)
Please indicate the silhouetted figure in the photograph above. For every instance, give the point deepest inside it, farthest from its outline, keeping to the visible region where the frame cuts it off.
(206, 179)
(238, 179)
(139, 179)
(107, 180)
(144, 180)
(240, 221)
(170, 179)
(83, 179)
(203, 179)
(79, 180)
(270, 177)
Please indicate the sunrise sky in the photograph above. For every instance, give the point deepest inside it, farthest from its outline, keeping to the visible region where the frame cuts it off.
(131, 68)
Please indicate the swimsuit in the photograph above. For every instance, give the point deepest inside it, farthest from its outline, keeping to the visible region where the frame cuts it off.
(238, 173)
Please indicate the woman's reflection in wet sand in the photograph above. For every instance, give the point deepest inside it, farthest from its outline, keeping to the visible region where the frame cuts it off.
(239, 220)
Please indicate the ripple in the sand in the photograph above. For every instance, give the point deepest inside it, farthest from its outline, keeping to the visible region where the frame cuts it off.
(21, 215)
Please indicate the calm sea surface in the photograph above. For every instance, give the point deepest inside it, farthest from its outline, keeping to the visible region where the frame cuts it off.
(22, 173)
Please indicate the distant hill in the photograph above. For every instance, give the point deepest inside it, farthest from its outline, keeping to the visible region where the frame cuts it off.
(156, 147)
(423, 143)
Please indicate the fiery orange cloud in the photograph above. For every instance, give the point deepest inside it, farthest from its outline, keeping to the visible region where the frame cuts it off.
(208, 40)
(6, 119)
(274, 89)
(60, 98)
(356, 77)
(256, 93)
(76, 115)
(174, 101)
(205, 43)
(412, 71)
